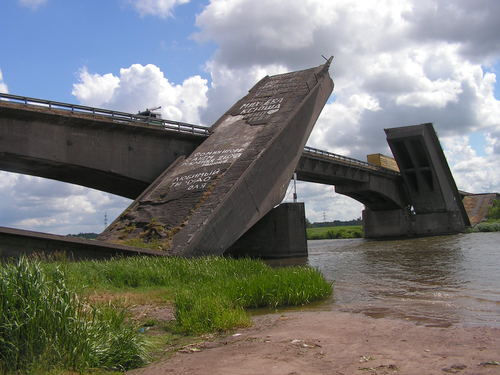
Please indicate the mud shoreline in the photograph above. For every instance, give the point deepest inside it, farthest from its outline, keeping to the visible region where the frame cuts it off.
(336, 343)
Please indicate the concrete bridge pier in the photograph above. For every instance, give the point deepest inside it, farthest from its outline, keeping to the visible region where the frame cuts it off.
(386, 223)
(404, 223)
(279, 234)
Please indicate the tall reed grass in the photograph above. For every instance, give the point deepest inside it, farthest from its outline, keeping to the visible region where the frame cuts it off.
(44, 325)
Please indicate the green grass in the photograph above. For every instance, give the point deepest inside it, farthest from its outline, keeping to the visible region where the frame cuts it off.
(494, 210)
(325, 233)
(44, 325)
(219, 286)
(46, 319)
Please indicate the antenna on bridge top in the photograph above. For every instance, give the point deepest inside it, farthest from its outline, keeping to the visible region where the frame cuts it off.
(328, 62)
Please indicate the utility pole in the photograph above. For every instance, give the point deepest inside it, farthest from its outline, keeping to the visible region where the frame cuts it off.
(105, 220)
(294, 187)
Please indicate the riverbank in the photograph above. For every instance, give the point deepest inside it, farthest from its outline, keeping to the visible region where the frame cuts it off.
(116, 314)
(332, 342)
(492, 225)
(330, 233)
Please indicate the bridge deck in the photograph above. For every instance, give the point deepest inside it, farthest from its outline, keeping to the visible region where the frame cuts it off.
(102, 114)
(163, 128)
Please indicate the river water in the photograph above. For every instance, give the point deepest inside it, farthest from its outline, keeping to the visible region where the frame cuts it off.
(434, 281)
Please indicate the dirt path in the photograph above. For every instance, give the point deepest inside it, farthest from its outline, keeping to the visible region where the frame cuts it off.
(334, 343)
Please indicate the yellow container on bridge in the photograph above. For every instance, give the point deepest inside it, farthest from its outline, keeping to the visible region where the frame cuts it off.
(383, 161)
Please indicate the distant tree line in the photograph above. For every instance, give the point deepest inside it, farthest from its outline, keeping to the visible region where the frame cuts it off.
(335, 223)
(88, 236)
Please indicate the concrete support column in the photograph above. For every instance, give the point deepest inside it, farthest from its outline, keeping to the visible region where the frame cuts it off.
(386, 223)
(279, 234)
(401, 223)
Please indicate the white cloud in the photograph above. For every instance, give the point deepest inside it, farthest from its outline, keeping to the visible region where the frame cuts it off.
(389, 70)
(473, 25)
(143, 86)
(228, 85)
(95, 89)
(493, 143)
(159, 8)
(473, 173)
(3, 85)
(33, 4)
(39, 204)
(295, 31)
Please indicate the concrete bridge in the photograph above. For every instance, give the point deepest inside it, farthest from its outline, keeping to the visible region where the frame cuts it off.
(134, 156)
(122, 153)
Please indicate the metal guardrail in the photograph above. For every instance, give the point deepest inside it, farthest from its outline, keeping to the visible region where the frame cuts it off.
(350, 161)
(115, 116)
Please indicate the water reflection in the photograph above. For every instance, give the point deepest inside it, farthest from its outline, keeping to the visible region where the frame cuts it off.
(433, 281)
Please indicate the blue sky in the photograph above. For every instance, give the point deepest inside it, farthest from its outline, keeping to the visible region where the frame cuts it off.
(48, 45)
(397, 62)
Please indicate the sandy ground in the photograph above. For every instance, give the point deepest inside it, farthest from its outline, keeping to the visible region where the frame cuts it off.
(334, 343)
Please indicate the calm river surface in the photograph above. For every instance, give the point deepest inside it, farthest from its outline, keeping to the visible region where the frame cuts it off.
(440, 281)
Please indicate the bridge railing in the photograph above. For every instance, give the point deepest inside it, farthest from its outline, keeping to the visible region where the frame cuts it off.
(115, 116)
(350, 161)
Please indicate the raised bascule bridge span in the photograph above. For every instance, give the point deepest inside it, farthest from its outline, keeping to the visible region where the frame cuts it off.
(134, 156)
